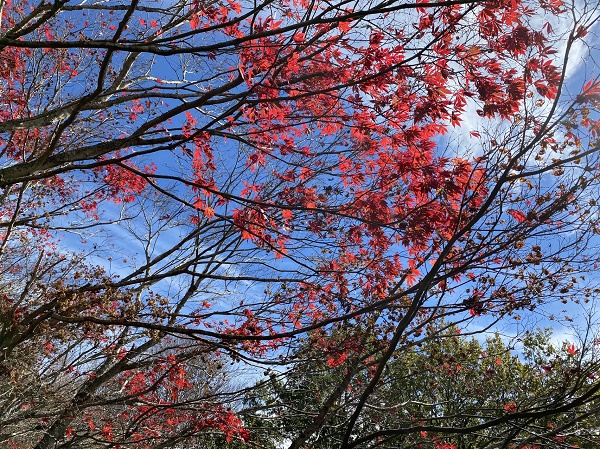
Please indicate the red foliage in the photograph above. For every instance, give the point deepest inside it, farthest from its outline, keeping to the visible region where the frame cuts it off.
(313, 148)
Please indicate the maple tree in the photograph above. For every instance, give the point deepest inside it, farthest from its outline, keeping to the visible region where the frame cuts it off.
(239, 178)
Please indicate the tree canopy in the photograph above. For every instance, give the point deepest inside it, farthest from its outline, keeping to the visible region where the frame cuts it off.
(442, 394)
(195, 192)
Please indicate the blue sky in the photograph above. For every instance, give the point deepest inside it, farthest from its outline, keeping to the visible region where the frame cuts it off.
(124, 242)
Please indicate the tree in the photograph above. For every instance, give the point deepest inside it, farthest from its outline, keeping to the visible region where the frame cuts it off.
(247, 176)
(450, 382)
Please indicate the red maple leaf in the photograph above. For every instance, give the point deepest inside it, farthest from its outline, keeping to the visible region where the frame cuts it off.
(517, 215)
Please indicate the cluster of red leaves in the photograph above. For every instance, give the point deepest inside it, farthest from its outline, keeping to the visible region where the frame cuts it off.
(510, 407)
(158, 391)
(444, 445)
(121, 181)
(387, 184)
(338, 350)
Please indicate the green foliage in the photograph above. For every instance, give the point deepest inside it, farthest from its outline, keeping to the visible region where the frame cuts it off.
(445, 392)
